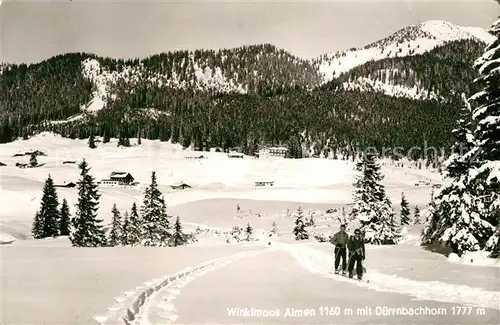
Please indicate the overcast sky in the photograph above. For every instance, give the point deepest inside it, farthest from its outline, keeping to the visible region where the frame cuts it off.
(34, 30)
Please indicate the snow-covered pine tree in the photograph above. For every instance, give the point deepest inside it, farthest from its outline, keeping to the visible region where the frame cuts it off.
(91, 142)
(456, 166)
(466, 211)
(155, 220)
(125, 229)
(299, 231)
(416, 216)
(33, 160)
(484, 178)
(88, 230)
(311, 222)
(405, 211)
(248, 231)
(65, 219)
(372, 208)
(116, 233)
(134, 236)
(178, 237)
(37, 227)
(49, 210)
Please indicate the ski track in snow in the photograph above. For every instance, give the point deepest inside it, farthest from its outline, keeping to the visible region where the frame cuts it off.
(319, 262)
(133, 307)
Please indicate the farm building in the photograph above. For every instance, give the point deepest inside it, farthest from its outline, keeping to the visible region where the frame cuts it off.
(264, 183)
(180, 186)
(119, 178)
(272, 152)
(68, 185)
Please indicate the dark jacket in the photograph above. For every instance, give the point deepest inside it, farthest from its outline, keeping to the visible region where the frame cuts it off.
(356, 246)
(340, 239)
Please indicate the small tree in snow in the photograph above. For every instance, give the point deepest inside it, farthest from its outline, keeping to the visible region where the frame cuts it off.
(155, 221)
(125, 229)
(299, 231)
(310, 222)
(134, 229)
(33, 160)
(416, 217)
(92, 142)
(37, 227)
(248, 232)
(49, 213)
(65, 220)
(116, 233)
(178, 237)
(405, 211)
(88, 230)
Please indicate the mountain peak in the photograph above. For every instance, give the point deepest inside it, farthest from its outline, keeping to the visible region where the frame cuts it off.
(411, 40)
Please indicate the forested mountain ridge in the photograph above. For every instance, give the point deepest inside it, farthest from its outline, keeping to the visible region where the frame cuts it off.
(246, 97)
(437, 74)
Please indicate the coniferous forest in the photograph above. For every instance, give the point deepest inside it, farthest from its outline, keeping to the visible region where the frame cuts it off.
(251, 96)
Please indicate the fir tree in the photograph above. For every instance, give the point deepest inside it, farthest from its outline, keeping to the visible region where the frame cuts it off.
(416, 217)
(155, 221)
(405, 211)
(484, 182)
(65, 220)
(372, 208)
(37, 228)
(457, 165)
(116, 233)
(91, 142)
(311, 222)
(125, 229)
(178, 237)
(134, 229)
(49, 213)
(248, 231)
(465, 212)
(299, 231)
(88, 230)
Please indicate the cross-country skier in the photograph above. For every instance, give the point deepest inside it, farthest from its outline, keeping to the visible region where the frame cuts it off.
(340, 241)
(356, 246)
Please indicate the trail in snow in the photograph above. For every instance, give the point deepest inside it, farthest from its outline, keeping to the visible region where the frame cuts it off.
(319, 262)
(152, 301)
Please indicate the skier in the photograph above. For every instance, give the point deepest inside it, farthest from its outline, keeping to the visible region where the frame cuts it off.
(340, 240)
(356, 246)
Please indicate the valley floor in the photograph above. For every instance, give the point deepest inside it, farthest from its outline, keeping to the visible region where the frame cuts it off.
(49, 282)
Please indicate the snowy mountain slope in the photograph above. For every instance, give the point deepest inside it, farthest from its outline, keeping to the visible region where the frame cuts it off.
(412, 40)
(388, 88)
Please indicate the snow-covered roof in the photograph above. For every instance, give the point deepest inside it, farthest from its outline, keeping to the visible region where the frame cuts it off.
(119, 174)
(273, 148)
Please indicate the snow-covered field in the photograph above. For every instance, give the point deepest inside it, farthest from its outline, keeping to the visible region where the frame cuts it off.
(49, 282)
